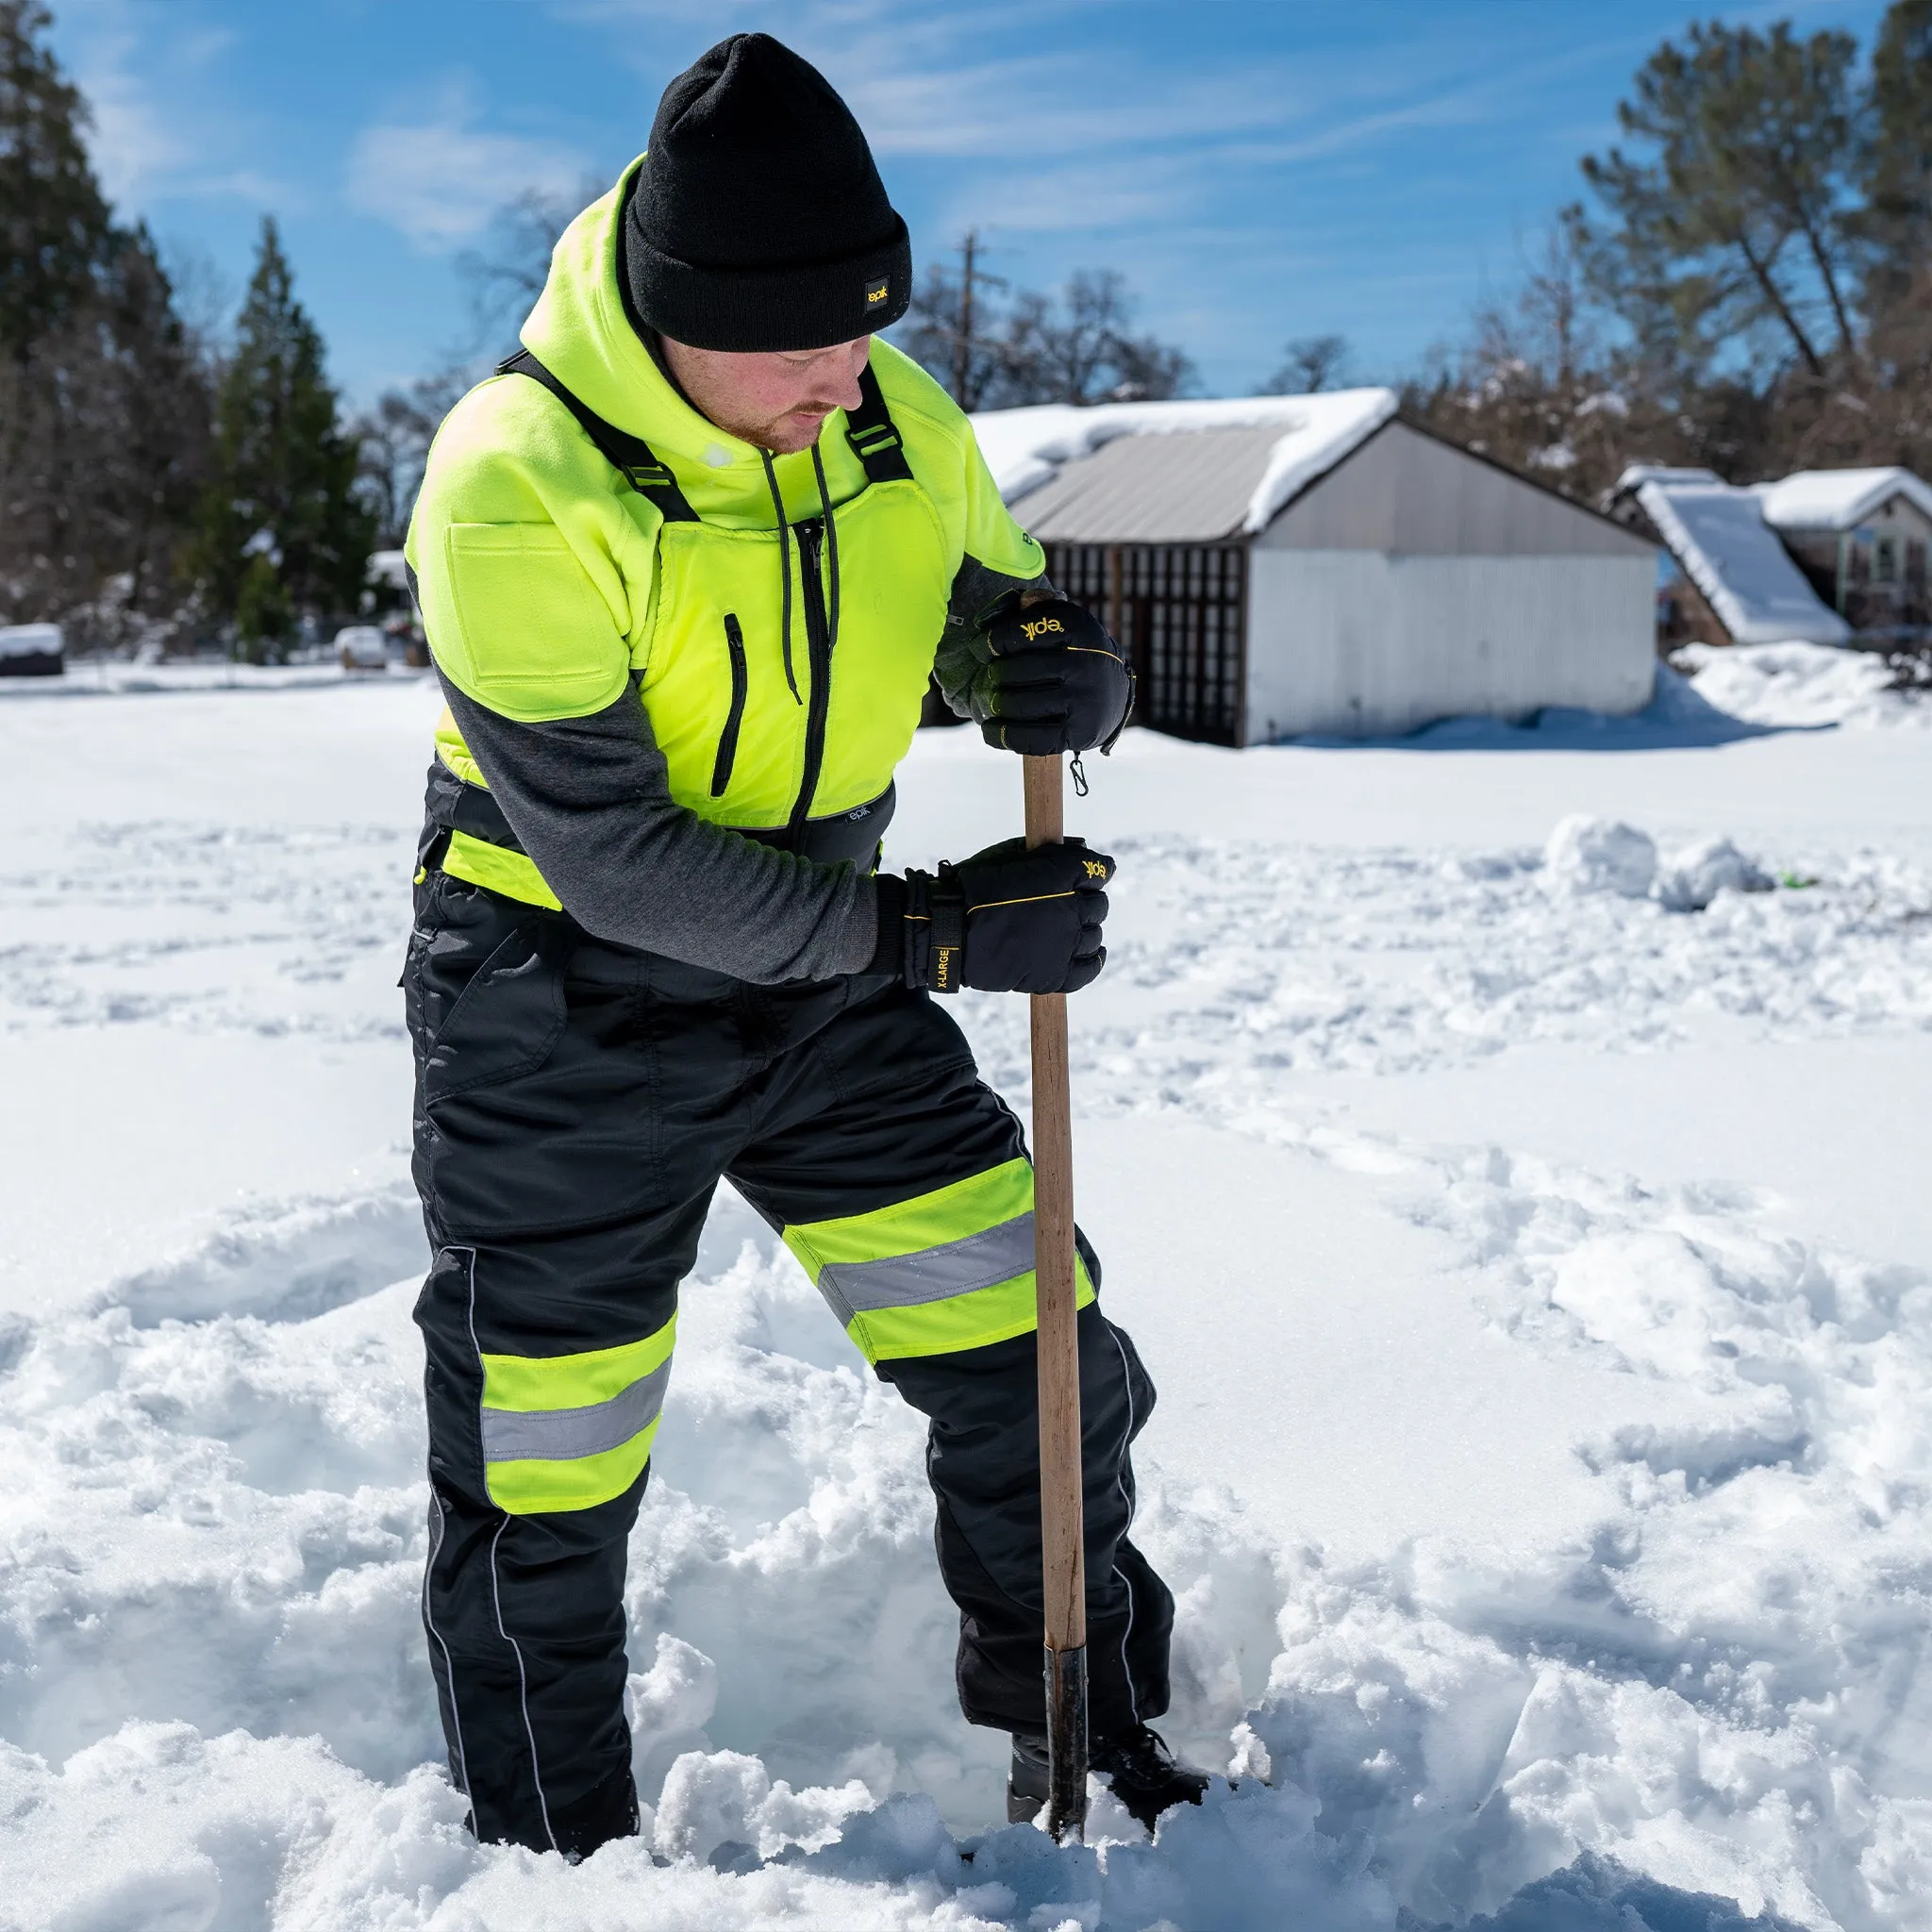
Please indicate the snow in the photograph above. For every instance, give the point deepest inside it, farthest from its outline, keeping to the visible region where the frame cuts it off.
(1503, 1145)
(1800, 684)
(1025, 447)
(1638, 473)
(1692, 879)
(1838, 499)
(1591, 854)
(1717, 533)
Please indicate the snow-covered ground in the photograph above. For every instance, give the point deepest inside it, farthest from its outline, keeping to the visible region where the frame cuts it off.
(1539, 1279)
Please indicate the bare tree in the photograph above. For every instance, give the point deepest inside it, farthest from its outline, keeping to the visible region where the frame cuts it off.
(394, 439)
(507, 274)
(1078, 347)
(1313, 363)
(952, 332)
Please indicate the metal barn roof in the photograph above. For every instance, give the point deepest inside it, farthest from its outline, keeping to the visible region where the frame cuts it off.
(1154, 488)
(1284, 443)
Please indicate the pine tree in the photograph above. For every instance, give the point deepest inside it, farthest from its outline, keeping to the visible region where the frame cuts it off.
(284, 534)
(54, 221)
(1735, 227)
(103, 401)
(1898, 164)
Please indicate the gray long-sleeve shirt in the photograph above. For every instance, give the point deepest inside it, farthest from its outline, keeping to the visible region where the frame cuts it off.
(590, 801)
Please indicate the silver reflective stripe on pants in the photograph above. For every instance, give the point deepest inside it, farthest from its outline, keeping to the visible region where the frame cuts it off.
(931, 1274)
(563, 1435)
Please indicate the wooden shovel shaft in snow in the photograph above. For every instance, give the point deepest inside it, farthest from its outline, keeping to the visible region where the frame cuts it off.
(1060, 1511)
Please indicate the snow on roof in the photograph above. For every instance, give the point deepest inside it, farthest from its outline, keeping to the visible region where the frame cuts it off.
(1640, 473)
(1025, 448)
(1192, 489)
(1717, 533)
(1837, 499)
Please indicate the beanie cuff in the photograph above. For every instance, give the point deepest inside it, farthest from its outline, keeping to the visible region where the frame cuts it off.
(810, 305)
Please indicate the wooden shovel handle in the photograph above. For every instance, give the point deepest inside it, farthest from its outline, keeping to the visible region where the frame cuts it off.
(1059, 1349)
(1053, 1234)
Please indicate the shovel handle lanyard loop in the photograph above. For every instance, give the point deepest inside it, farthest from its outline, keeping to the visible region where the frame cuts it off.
(1059, 1351)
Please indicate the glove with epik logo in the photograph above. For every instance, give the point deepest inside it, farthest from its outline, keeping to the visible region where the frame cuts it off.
(1007, 920)
(1051, 680)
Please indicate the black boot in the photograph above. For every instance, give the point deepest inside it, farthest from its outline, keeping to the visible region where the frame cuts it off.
(577, 1830)
(1145, 1776)
(610, 1811)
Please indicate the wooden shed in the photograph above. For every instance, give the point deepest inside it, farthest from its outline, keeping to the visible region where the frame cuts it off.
(1294, 564)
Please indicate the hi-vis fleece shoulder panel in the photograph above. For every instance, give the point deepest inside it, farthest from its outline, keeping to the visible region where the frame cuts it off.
(546, 580)
(533, 569)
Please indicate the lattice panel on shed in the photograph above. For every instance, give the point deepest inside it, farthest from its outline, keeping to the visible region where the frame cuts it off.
(1181, 611)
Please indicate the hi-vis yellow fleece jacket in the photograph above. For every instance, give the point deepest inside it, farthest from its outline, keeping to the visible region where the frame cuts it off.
(673, 697)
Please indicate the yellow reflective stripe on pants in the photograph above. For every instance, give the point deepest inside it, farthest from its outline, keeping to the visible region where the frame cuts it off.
(571, 1431)
(933, 1274)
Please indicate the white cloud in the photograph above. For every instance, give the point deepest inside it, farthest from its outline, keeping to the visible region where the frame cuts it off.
(440, 180)
(149, 136)
(133, 145)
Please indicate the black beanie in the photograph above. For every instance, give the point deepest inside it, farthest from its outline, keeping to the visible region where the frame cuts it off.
(758, 219)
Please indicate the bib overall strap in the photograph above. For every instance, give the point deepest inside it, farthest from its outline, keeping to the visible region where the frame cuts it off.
(629, 455)
(873, 435)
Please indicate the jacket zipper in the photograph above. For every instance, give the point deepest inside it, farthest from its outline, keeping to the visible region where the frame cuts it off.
(818, 638)
(728, 740)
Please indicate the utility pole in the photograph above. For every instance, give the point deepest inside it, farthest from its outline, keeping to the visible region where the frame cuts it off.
(964, 342)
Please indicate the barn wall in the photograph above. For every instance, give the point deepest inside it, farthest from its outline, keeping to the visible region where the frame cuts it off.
(1409, 493)
(1357, 643)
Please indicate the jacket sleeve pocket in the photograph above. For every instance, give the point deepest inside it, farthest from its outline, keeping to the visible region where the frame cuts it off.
(530, 636)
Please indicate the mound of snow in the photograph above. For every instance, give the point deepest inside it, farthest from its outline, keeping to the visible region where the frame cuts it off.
(1592, 855)
(1587, 854)
(1694, 876)
(1801, 684)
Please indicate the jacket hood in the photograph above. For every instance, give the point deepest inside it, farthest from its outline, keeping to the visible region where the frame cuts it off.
(581, 331)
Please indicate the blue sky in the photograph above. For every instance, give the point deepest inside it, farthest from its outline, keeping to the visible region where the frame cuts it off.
(1258, 171)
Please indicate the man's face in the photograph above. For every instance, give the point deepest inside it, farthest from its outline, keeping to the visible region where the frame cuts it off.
(775, 399)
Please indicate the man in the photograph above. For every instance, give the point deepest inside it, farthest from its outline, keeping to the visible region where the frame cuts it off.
(686, 566)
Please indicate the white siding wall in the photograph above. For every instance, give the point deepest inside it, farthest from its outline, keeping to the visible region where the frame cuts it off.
(1358, 642)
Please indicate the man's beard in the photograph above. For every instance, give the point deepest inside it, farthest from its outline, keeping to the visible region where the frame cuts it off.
(787, 434)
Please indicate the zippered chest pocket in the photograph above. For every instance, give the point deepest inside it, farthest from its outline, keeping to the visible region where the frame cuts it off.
(727, 739)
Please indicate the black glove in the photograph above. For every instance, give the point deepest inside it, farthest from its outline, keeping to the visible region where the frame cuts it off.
(1006, 920)
(1051, 680)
